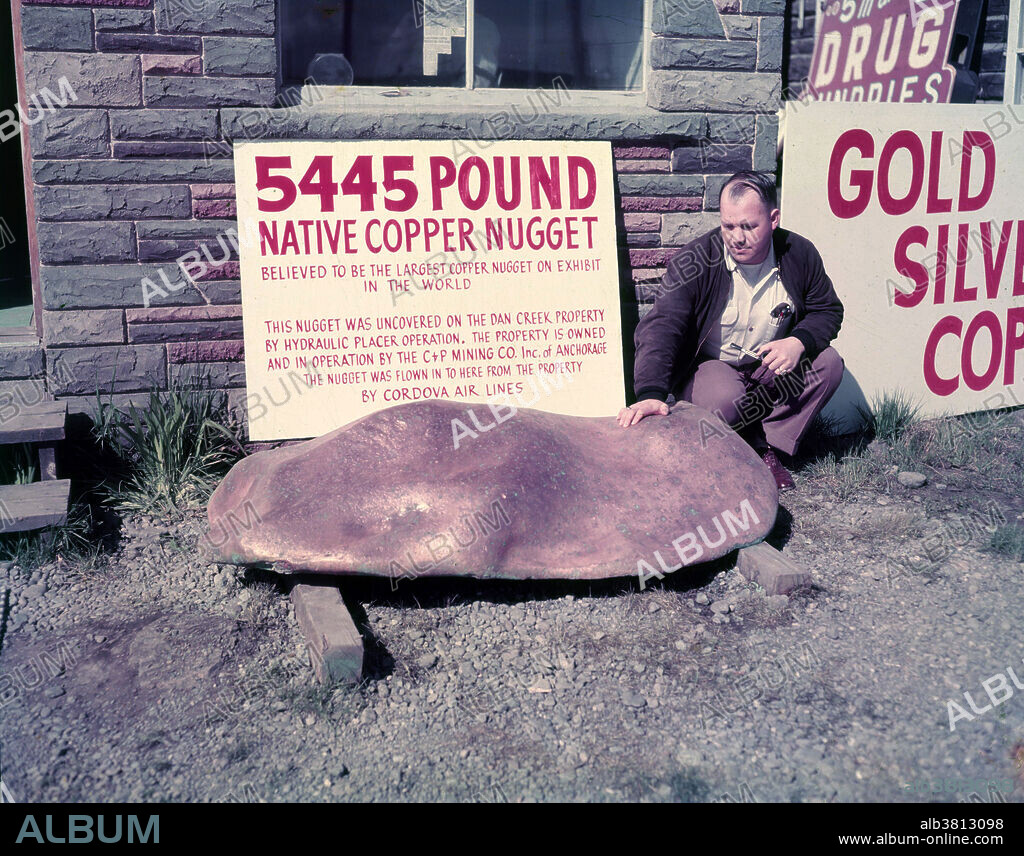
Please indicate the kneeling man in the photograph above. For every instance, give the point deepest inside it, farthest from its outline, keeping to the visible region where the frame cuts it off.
(741, 327)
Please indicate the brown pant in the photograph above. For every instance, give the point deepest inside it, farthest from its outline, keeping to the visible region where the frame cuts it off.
(764, 407)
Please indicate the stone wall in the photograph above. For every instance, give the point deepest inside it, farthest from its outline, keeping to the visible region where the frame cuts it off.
(799, 47)
(137, 170)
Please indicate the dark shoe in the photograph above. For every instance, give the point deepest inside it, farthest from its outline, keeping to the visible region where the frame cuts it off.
(783, 480)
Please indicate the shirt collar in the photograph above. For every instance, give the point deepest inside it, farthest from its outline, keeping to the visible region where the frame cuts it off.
(731, 263)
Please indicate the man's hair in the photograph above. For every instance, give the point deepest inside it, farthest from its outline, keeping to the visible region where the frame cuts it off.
(740, 182)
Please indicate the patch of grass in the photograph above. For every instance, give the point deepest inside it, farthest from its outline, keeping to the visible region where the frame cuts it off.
(259, 610)
(1008, 541)
(72, 541)
(842, 479)
(177, 450)
(987, 444)
(18, 464)
(889, 415)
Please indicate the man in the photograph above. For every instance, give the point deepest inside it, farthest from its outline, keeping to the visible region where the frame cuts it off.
(742, 326)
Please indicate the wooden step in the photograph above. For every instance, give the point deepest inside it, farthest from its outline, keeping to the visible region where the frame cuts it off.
(770, 569)
(35, 423)
(334, 643)
(24, 507)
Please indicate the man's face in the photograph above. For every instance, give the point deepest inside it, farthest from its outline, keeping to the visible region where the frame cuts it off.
(747, 227)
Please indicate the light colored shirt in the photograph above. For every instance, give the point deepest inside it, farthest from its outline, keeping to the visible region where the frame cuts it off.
(754, 291)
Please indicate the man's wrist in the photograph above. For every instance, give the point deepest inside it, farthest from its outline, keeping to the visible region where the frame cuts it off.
(804, 338)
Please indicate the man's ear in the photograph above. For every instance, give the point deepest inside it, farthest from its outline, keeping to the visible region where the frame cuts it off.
(776, 217)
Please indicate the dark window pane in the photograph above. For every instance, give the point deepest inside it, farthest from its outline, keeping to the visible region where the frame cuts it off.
(590, 44)
(382, 41)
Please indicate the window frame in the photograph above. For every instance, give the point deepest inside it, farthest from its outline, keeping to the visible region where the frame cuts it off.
(1014, 77)
(297, 90)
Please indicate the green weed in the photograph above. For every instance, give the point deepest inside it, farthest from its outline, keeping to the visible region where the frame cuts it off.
(177, 452)
(889, 415)
(1008, 541)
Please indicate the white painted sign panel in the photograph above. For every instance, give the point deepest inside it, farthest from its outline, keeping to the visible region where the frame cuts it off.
(916, 211)
(377, 273)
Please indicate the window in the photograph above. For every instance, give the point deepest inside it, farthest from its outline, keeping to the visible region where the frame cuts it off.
(516, 44)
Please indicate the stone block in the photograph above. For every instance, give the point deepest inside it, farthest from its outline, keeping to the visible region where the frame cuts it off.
(108, 368)
(172, 64)
(124, 20)
(712, 188)
(74, 243)
(680, 229)
(766, 143)
(239, 56)
(215, 247)
(98, 80)
(150, 171)
(213, 191)
(71, 133)
(45, 28)
(161, 125)
(716, 157)
(722, 91)
(112, 202)
(152, 148)
(769, 44)
(642, 222)
(179, 229)
(179, 91)
(481, 122)
(731, 128)
(220, 291)
(190, 331)
(214, 375)
(763, 7)
(640, 152)
(110, 285)
(167, 314)
(628, 166)
(642, 239)
(648, 184)
(232, 17)
(21, 361)
(740, 26)
(704, 53)
(660, 203)
(224, 350)
(214, 208)
(686, 18)
(86, 404)
(649, 258)
(146, 43)
(83, 327)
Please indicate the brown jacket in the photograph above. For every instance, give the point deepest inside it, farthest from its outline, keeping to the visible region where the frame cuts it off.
(694, 292)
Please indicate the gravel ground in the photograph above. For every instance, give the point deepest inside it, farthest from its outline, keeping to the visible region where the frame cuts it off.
(160, 677)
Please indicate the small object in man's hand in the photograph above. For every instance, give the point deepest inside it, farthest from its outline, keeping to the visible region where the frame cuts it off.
(745, 351)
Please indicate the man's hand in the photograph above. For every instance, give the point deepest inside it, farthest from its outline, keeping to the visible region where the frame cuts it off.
(648, 407)
(782, 355)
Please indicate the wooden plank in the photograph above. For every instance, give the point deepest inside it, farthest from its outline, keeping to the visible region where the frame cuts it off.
(32, 506)
(334, 642)
(763, 564)
(35, 423)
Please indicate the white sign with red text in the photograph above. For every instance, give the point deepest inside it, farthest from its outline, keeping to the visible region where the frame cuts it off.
(378, 273)
(916, 211)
